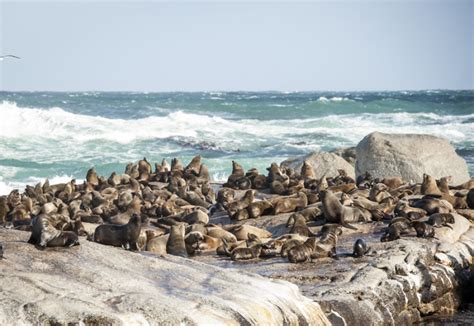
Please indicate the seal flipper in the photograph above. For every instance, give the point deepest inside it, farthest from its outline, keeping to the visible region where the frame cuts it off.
(347, 225)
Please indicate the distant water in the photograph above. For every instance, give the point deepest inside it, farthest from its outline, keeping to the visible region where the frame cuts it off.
(61, 135)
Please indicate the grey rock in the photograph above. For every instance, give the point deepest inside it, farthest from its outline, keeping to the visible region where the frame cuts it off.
(347, 153)
(97, 284)
(324, 164)
(409, 156)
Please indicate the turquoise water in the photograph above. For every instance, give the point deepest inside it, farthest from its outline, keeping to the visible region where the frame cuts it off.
(61, 135)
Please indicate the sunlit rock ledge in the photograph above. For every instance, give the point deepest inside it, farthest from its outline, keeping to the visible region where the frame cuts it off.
(97, 284)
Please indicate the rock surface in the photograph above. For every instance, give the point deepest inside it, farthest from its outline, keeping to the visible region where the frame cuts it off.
(397, 283)
(96, 284)
(347, 153)
(409, 156)
(324, 164)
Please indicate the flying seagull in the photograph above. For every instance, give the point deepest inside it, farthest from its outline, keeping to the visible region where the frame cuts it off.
(8, 56)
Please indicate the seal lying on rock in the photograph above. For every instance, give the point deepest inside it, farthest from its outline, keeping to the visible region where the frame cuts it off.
(243, 253)
(44, 235)
(423, 230)
(439, 220)
(290, 204)
(120, 235)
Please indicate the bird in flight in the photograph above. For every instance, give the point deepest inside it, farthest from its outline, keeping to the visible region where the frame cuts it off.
(8, 56)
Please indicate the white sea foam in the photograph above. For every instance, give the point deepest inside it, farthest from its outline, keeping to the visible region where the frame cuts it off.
(56, 124)
(324, 99)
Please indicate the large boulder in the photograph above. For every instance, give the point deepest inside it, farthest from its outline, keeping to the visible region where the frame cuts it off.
(347, 153)
(94, 284)
(324, 164)
(409, 156)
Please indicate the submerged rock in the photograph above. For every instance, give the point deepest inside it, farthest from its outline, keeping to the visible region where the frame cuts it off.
(409, 156)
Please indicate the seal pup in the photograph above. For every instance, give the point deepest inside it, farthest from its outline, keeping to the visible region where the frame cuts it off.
(243, 253)
(288, 244)
(302, 253)
(396, 228)
(2, 251)
(120, 235)
(192, 242)
(299, 226)
(271, 248)
(326, 247)
(259, 208)
(423, 230)
(439, 220)
(360, 248)
(176, 244)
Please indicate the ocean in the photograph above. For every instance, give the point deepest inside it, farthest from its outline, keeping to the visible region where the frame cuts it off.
(59, 136)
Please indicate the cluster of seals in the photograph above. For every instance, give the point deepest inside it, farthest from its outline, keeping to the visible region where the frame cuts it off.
(173, 209)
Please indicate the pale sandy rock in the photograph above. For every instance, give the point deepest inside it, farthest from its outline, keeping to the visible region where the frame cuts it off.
(409, 156)
(324, 164)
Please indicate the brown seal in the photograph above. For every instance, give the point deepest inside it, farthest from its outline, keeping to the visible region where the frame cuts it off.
(288, 244)
(120, 235)
(176, 242)
(307, 171)
(237, 205)
(244, 253)
(65, 239)
(326, 246)
(429, 186)
(259, 208)
(298, 225)
(302, 253)
(192, 242)
(289, 204)
(470, 198)
(335, 212)
(423, 230)
(441, 219)
(396, 228)
(43, 234)
(242, 232)
(91, 177)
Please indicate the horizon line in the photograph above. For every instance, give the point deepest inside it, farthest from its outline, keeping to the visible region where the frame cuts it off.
(238, 91)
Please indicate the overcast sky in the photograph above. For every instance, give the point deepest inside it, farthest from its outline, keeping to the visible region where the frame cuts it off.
(190, 46)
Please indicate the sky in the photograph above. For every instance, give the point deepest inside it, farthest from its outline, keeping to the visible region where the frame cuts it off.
(193, 46)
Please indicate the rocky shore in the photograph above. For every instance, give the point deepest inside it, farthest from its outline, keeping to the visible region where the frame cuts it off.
(262, 248)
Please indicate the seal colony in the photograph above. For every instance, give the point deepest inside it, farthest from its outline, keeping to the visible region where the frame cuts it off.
(168, 210)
